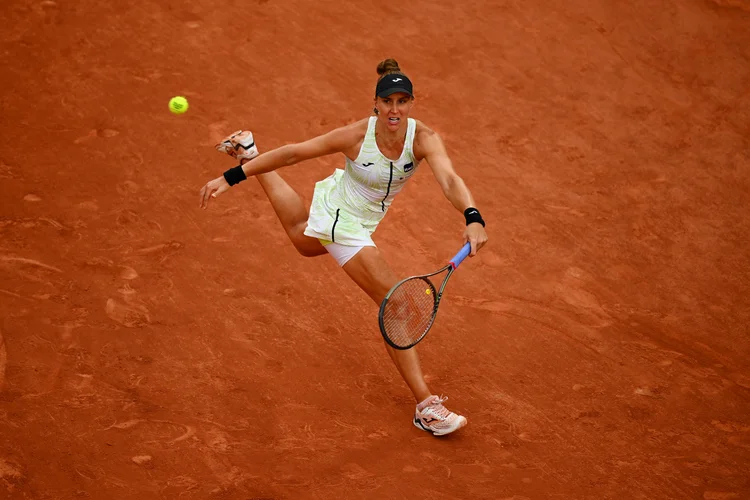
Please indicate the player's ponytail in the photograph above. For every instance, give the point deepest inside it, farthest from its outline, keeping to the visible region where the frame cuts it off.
(388, 66)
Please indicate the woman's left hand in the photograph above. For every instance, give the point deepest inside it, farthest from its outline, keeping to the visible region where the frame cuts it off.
(476, 235)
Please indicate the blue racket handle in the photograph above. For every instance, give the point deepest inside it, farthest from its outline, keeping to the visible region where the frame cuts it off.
(461, 255)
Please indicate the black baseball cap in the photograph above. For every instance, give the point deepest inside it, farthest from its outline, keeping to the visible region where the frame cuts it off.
(393, 83)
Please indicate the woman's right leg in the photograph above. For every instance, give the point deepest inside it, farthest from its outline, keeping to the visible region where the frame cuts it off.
(287, 204)
(285, 201)
(292, 213)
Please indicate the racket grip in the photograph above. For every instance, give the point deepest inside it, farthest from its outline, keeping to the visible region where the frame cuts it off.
(461, 255)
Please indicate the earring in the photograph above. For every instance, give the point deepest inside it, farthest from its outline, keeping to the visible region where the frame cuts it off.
(375, 110)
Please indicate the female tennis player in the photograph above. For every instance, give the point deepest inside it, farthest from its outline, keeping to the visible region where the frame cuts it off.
(381, 153)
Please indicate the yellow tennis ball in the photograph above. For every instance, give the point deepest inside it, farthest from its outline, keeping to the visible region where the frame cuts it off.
(178, 105)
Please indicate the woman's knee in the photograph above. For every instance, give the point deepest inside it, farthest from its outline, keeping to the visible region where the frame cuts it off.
(309, 250)
(306, 245)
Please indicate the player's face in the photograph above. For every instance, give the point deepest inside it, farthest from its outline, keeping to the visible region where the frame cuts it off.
(394, 109)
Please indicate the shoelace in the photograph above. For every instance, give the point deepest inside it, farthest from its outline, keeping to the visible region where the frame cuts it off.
(438, 408)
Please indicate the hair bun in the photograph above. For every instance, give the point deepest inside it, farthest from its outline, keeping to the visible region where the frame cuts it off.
(388, 66)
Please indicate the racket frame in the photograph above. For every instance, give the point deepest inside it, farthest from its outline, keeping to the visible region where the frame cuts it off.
(451, 267)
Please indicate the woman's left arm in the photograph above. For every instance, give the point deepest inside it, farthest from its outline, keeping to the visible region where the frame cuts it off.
(431, 146)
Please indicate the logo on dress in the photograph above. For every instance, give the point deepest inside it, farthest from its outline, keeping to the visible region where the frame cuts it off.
(367, 164)
(409, 166)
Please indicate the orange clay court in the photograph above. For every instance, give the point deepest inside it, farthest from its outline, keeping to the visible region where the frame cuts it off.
(598, 344)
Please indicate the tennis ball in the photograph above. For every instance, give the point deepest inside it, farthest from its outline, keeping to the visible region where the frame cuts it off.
(178, 105)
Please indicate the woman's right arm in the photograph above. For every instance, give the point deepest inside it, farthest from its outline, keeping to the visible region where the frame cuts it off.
(336, 141)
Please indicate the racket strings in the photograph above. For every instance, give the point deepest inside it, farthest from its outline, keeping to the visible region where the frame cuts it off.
(409, 312)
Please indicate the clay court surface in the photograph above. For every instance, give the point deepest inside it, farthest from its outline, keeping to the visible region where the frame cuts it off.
(598, 345)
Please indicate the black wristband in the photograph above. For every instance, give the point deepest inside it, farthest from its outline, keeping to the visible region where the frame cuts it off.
(235, 175)
(472, 215)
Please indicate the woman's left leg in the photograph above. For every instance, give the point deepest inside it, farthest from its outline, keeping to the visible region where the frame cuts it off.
(373, 275)
(370, 271)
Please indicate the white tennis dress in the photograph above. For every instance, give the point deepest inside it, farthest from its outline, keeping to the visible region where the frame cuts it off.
(348, 205)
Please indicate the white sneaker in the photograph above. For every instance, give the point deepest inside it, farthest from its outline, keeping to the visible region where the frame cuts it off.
(240, 145)
(432, 416)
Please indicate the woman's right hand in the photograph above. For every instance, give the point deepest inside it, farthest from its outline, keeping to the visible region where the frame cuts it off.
(212, 189)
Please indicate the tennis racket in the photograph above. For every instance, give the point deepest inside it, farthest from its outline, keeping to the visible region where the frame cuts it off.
(410, 307)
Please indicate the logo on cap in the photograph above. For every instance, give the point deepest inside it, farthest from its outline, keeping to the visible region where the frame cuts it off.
(397, 80)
